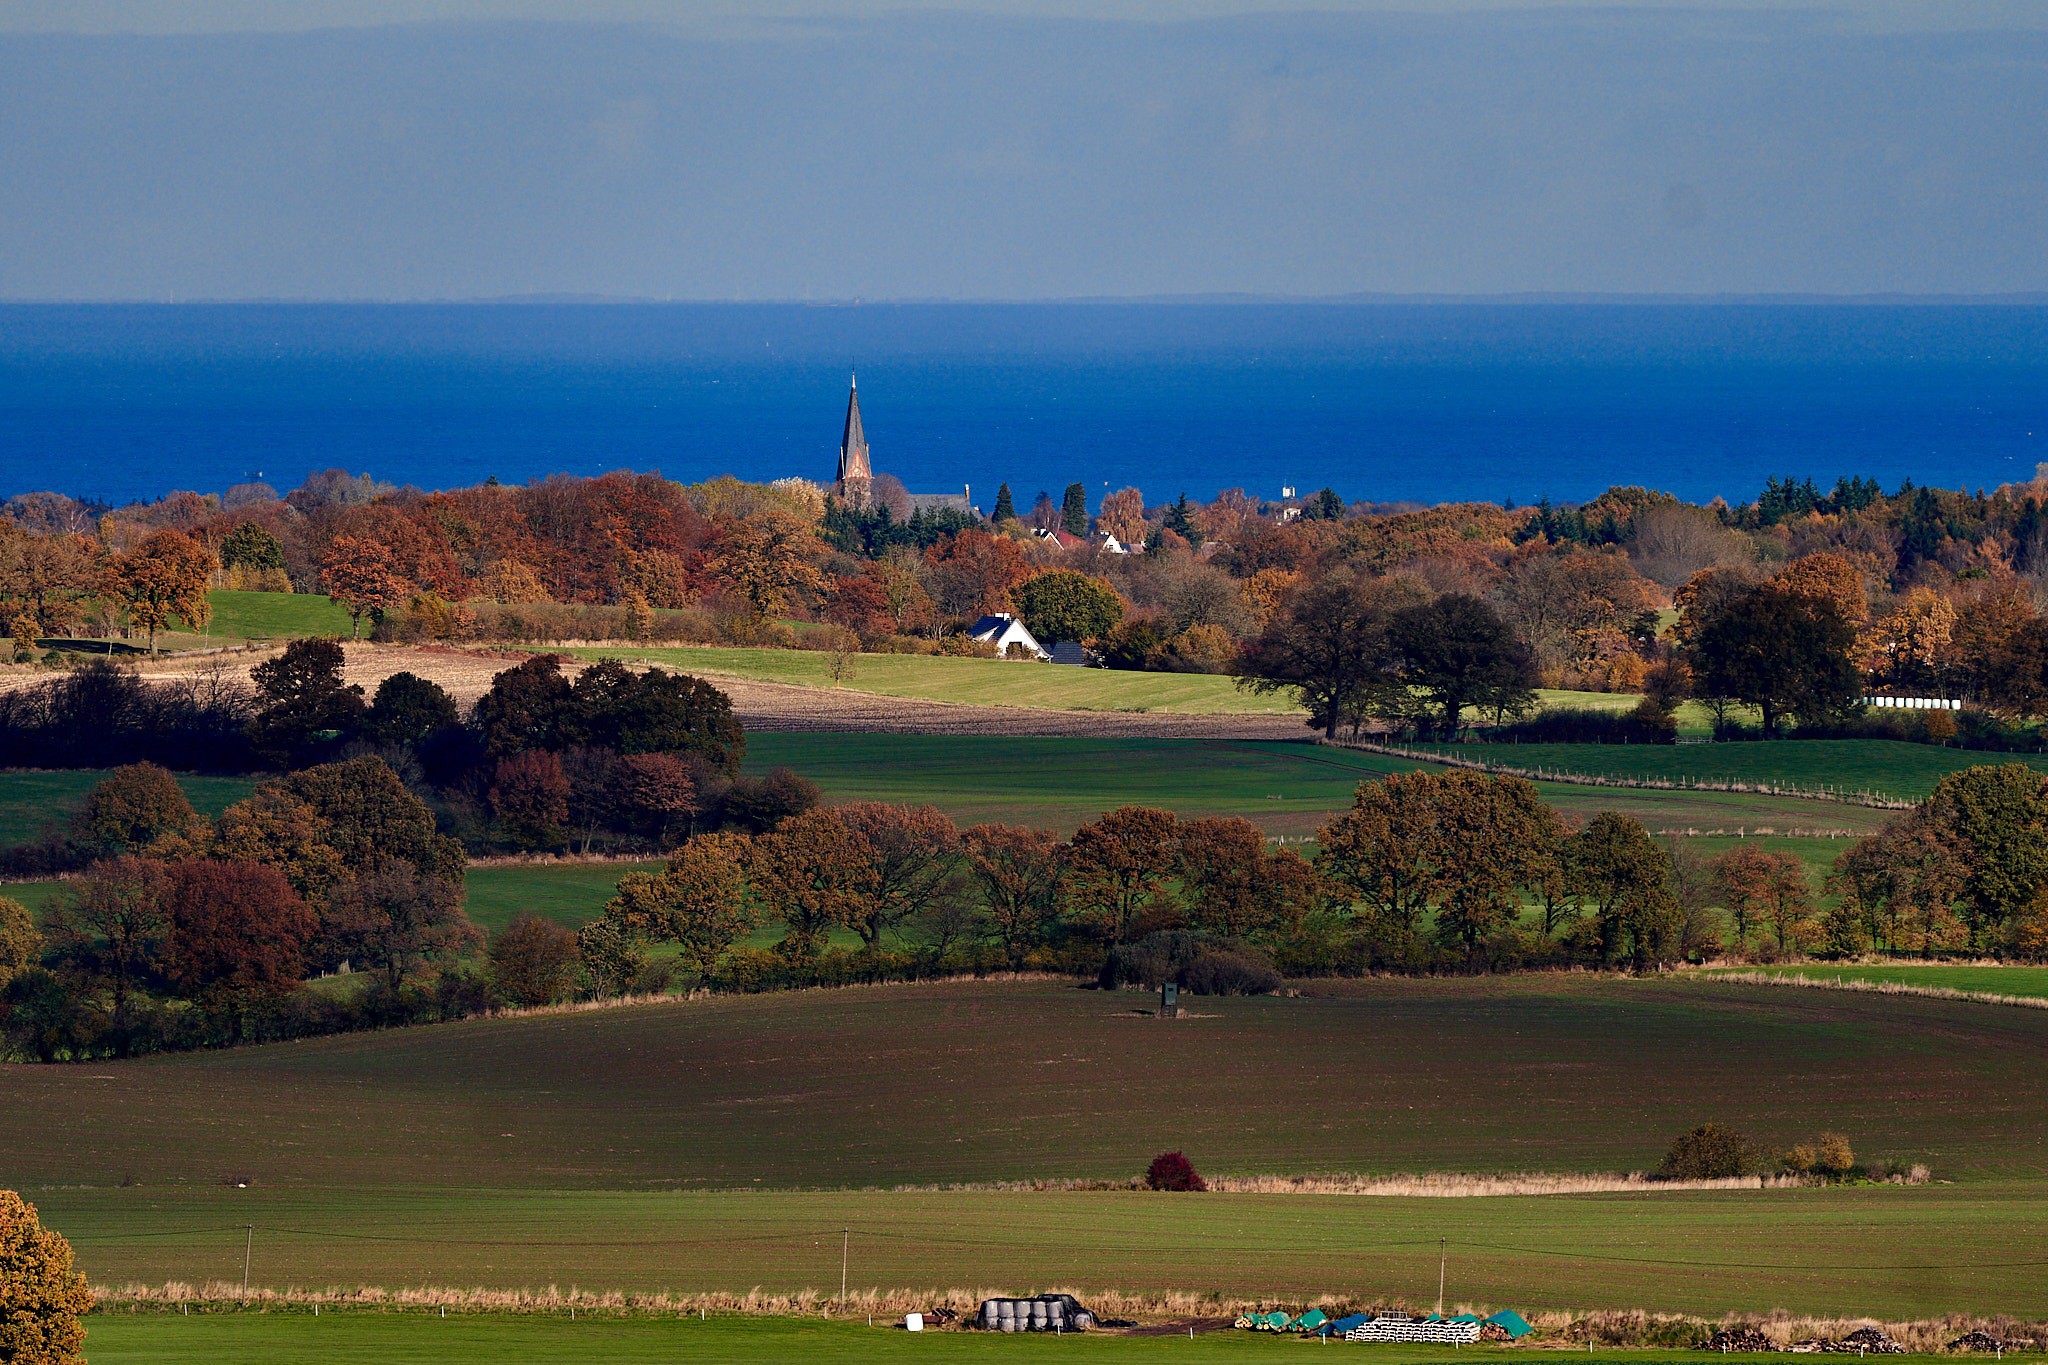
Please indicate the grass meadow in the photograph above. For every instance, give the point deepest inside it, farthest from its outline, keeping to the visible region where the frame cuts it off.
(723, 1143)
(274, 615)
(298, 1338)
(32, 800)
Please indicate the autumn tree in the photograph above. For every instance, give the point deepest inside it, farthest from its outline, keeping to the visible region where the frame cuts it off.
(1018, 873)
(238, 934)
(810, 872)
(699, 901)
(362, 576)
(1123, 515)
(396, 920)
(365, 814)
(164, 577)
(909, 863)
(1330, 644)
(973, 572)
(49, 579)
(1237, 887)
(1061, 604)
(1765, 890)
(1120, 870)
(765, 559)
(1382, 852)
(654, 796)
(534, 961)
(42, 1298)
(131, 808)
(1998, 817)
(529, 796)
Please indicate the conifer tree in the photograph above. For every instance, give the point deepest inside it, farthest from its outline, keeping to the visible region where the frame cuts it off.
(1074, 511)
(1006, 509)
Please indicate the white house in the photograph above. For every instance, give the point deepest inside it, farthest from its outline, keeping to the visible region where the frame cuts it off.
(1005, 631)
(1111, 545)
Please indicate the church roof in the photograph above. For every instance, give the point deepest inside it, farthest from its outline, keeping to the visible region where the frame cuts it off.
(853, 444)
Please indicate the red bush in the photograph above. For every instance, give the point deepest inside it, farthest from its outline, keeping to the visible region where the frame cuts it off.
(1173, 1171)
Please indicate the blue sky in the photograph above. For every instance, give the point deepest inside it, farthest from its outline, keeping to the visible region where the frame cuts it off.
(1016, 149)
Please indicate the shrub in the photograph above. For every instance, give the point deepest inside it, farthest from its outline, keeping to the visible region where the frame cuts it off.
(1648, 723)
(1172, 1171)
(1228, 973)
(1712, 1151)
(1833, 1155)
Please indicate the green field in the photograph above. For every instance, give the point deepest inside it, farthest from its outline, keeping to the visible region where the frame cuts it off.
(274, 615)
(567, 893)
(1989, 980)
(1287, 787)
(722, 1143)
(32, 800)
(299, 1338)
(1884, 766)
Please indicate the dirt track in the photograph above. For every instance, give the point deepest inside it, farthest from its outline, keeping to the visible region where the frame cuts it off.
(770, 706)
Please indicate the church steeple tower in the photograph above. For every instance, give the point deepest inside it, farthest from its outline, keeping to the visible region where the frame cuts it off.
(853, 444)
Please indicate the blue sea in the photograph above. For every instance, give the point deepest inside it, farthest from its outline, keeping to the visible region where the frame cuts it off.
(1382, 401)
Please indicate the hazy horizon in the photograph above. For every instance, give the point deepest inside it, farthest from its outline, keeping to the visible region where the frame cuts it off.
(1019, 150)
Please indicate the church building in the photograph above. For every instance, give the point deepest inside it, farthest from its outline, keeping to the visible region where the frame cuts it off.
(855, 484)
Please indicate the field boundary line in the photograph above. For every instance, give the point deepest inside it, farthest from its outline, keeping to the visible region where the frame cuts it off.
(1419, 1185)
(1571, 777)
(1843, 983)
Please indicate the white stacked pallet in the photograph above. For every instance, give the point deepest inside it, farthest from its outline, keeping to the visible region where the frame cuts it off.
(1400, 1329)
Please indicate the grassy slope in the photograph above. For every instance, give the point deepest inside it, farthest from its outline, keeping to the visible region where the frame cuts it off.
(300, 1339)
(568, 893)
(590, 1148)
(1890, 767)
(274, 615)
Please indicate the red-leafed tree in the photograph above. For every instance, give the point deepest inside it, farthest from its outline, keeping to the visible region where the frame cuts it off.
(362, 577)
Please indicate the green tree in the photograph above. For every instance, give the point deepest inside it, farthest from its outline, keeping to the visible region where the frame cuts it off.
(113, 925)
(249, 546)
(1062, 604)
(1074, 510)
(21, 944)
(1622, 875)
(302, 703)
(408, 710)
(1180, 519)
(1491, 837)
(42, 1297)
(1783, 652)
(699, 902)
(1998, 816)
(1456, 652)
(1006, 508)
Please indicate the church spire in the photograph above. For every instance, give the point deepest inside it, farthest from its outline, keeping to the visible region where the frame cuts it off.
(853, 443)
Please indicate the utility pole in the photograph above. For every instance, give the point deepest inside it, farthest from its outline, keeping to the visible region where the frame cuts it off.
(845, 1241)
(248, 1246)
(1443, 1256)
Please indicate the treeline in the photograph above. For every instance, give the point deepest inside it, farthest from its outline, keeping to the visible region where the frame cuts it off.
(1913, 591)
(205, 933)
(615, 760)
